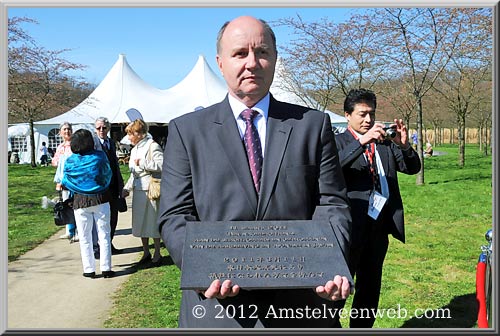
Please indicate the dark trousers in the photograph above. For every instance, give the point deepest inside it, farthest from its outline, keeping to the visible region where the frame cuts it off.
(366, 260)
(113, 204)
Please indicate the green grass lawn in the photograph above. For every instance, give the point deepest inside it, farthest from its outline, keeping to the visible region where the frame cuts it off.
(433, 273)
(29, 224)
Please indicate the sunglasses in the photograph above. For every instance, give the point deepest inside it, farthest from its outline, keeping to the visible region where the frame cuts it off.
(101, 128)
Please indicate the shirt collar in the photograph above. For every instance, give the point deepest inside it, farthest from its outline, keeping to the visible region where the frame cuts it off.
(262, 106)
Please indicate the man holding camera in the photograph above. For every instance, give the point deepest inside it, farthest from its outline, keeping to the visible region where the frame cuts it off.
(371, 155)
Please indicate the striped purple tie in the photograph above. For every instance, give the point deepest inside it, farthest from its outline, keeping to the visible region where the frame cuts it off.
(252, 144)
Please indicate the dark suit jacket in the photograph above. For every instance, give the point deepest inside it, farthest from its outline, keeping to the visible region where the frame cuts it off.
(116, 184)
(359, 181)
(206, 178)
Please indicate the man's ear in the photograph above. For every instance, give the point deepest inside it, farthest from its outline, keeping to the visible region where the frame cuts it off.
(219, 64)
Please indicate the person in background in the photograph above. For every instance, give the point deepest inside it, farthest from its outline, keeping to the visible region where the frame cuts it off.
(428, 150)
(87, 175)
(63, 151)
(102, 127)
(414, 139)
(44, 158)
(370, 162)
(146, 158)
(252, 158)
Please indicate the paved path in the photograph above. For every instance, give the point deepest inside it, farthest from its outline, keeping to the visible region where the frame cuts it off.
(46, 288)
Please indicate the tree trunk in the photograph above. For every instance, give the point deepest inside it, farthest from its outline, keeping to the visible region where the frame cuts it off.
(32, 143)
(461, 140)
(485, 131)
(480, 137)
(420, 174)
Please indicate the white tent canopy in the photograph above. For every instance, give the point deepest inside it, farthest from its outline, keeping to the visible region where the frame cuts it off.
(122, 89)
(19, 130)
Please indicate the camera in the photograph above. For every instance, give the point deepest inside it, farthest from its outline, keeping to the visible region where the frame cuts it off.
(390, 132)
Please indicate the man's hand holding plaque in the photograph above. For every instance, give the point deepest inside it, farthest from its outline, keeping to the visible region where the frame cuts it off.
(221, 291)
(337, 289)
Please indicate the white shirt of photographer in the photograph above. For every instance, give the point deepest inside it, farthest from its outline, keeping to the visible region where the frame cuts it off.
(377, 200)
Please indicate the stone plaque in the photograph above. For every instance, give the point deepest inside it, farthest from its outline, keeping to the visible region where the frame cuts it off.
(261, 254)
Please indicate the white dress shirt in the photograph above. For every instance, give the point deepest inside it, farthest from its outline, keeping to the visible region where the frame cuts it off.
(259, 121)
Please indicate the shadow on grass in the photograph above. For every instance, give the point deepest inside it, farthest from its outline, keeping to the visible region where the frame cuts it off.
(164, 261)
(461, 312)
(465, 178)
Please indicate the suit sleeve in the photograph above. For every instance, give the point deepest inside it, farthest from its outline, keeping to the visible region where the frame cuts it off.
(177, 201)
(407, 160)
(349, 151)
(333, 203)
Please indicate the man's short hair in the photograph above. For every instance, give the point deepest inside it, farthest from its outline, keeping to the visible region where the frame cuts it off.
(359, 96)
(105, 121)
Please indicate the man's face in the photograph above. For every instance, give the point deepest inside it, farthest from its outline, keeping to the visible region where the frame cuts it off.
(362, 118)
(101, 130)
(247, 59)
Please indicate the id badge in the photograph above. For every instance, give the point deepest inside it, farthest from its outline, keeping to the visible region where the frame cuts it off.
(376, 203)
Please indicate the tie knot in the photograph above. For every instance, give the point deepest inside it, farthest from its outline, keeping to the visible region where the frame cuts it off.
(248, 115)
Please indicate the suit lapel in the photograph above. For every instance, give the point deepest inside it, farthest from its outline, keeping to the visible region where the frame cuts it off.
(228, 135)
(277, 135)
(383, 153)
(361, 160)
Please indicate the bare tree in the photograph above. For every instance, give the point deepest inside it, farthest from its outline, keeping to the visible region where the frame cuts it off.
(38, 80)
(396, 93)
(327, 59)
(482, 116)
(437, 114)
(417, 42)
(460, 84)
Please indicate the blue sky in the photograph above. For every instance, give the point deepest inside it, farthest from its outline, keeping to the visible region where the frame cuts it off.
(161, 44)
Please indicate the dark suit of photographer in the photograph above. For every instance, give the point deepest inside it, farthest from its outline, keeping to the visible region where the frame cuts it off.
(370, 159)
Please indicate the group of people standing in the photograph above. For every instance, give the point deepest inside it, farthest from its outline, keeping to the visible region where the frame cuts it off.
(253, 158)
(88, 171)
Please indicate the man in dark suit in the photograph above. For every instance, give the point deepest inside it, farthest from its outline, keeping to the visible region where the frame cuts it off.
(102, 127)
(370, 159)
(207, 177)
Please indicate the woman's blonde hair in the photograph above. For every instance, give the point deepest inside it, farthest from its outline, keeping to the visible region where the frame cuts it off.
(137, 126)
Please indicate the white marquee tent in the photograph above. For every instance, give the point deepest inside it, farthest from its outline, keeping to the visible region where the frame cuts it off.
(122, 89)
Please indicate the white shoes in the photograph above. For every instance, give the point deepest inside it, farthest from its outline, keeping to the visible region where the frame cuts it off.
(71, 238)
